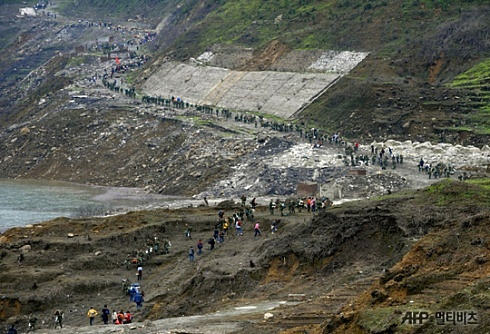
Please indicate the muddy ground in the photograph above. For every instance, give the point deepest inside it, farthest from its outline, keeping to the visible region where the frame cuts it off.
(330, 258)
(353, 268)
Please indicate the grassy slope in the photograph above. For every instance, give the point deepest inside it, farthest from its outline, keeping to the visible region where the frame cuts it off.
(412, 44)
(375, 25)
(477, 81)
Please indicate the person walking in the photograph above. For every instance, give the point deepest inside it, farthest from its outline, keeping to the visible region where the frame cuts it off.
(274, 227)
(199, 247)
(187, 232)
(139, 273)
(257, 230)
(138, 299)
(238, 227)
(92, 313)
(211, 243)
(105, 315)
(58, 319)
(191, 254)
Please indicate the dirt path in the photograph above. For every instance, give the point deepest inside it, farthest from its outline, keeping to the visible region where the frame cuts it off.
(227, 320)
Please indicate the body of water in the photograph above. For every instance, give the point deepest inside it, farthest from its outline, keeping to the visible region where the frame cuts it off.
(24, 202)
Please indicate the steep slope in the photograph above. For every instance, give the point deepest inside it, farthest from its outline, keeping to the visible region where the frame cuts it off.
(445, 271)
(146, 13)
(416, 48)
(330, 258)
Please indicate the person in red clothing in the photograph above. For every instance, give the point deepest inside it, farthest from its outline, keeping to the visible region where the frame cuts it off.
(120, 318)
(199, 247)
(128, 317)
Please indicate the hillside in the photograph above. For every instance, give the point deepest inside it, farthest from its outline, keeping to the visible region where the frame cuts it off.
(407, 87)
(417, 48)
(446, 270)
(218, 99)
(336, 258)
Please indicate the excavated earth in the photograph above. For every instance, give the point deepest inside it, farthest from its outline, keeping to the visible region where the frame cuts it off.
(361, 255)
(355, 267)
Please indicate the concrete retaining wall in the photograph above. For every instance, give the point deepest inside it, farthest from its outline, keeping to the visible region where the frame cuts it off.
(281, 93)
(277, 93)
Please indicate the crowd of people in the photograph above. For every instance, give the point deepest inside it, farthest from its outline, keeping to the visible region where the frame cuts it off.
(233, 225)
(118, 318)
(437, 170)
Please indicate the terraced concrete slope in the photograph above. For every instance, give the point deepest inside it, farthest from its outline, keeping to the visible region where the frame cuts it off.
(277, 93)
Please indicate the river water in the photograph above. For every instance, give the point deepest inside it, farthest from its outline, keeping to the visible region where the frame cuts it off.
(24, 202)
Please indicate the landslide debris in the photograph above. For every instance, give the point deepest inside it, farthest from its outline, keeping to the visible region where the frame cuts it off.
(376, 254)
(446, 270)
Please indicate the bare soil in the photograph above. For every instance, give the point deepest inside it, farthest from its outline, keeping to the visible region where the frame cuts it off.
(334, 258)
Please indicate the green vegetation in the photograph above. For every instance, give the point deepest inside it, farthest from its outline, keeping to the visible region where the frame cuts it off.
(475, 77)
(398, 194)
(476, 82)
(379, 320)
(311, 24)
(484, 183)
(457, 193)
(448, 192)
(264, 21)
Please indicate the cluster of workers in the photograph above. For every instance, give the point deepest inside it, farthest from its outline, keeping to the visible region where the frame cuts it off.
(437, 170)
(310, 204)
(224, 225)
(235, 222)
(118, 318)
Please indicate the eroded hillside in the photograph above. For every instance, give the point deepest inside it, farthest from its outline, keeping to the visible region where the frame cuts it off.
(76, 106)
(371, 258)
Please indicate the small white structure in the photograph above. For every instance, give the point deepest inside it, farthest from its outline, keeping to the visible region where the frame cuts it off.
(332, 193)
(27, 11)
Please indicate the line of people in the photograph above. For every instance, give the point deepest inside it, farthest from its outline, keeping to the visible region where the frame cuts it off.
(118, 318)
(222, 228)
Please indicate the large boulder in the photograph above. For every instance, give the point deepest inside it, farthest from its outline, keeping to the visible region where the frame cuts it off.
(25, 249)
